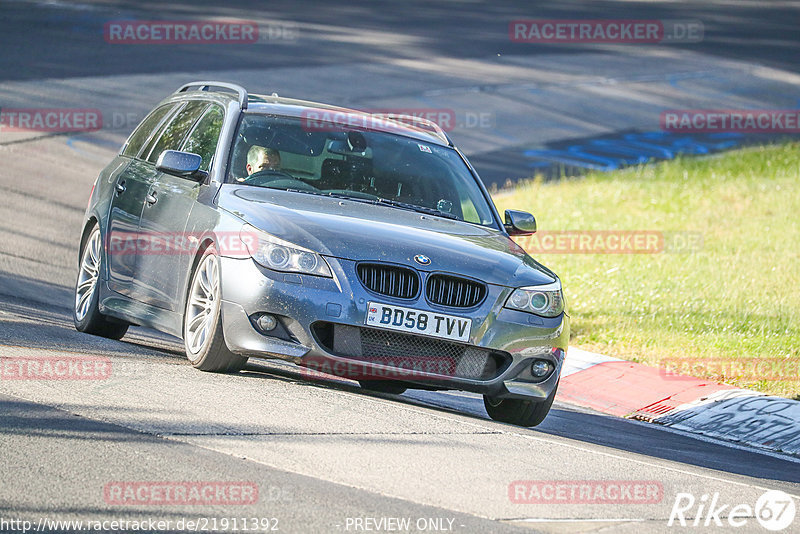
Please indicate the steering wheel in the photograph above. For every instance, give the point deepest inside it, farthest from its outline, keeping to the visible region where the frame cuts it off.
(266, 175)
(277, 179)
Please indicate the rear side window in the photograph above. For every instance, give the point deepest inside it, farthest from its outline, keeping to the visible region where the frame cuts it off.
(176, 130)
(203, 139)
(142, 133)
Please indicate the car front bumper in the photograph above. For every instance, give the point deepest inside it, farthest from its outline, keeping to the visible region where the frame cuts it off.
(301, 301)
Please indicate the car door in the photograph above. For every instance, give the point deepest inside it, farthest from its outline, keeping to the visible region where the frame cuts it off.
(160, 273)
(130, 189)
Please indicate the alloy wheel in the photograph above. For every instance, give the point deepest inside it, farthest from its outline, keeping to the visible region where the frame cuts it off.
(203, 303)
(87, 277)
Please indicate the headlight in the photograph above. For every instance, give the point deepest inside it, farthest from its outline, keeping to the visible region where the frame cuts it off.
(546, 301)
(281, 255)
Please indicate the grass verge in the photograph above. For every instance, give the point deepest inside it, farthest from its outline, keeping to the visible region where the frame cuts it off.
(729, 309)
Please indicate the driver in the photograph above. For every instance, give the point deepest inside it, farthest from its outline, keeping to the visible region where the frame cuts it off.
(260, 158)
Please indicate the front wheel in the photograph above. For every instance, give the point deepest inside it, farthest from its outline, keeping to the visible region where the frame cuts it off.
(86, 310)
(202, 322)
(518, 411)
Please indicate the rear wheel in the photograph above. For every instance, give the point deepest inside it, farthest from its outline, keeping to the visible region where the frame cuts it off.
(202, 322)
(518, 411)
(383, 386)
(86, 311)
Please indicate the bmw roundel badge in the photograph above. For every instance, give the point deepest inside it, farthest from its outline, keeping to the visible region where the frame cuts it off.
(422, 259)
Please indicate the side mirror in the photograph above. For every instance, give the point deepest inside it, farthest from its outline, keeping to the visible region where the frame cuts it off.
(520, 223)
(181, 164)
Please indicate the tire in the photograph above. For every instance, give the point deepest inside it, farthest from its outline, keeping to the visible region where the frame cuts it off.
(85, 310)
(383, 386)
(517, 411)
(202, 320)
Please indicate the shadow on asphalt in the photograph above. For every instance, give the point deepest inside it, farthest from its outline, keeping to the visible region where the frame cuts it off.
(25, 300)
(597, 429)
(54, 331)
(26, 418)
(329, 33)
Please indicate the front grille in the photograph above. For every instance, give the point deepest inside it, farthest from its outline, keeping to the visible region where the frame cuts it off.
(390, 280)
(410, 353)
(454, 292)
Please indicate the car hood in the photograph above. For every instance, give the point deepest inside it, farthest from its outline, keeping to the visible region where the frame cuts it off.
(360, 231)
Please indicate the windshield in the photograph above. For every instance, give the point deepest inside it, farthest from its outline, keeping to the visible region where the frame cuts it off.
(368, 166)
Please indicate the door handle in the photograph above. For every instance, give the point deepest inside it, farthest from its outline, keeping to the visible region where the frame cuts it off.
(120, 187)
(151, 198)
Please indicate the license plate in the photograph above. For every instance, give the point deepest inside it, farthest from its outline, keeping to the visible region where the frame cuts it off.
(418, 322)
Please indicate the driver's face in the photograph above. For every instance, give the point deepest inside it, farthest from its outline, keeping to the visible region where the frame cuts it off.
(266, 163)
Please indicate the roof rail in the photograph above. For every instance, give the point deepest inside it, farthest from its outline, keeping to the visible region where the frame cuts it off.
(204, 86)
(419, 122)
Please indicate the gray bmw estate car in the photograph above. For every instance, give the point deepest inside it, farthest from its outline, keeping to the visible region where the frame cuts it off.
(349, 243)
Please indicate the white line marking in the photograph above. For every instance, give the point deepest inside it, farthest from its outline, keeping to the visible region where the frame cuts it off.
(562, 442)
(548, 520)
(718, 441)
(648, 463)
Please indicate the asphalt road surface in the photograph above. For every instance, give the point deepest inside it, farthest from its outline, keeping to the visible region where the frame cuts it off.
(324, 455)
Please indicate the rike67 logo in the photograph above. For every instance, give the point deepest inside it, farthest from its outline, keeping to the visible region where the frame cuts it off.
(774, 510)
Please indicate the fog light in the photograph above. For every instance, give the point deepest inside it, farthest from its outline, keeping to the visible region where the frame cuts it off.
(266, 322)
(540, 368)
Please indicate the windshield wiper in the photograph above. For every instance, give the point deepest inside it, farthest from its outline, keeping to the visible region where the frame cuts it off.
(318, 193)
(414, 207)
(377, 201)
(294, 190)
(398, 204)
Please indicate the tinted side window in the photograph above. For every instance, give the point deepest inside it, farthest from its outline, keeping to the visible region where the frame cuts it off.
(143, 131)
(145, 152)
(204, 137)
(177, 129)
